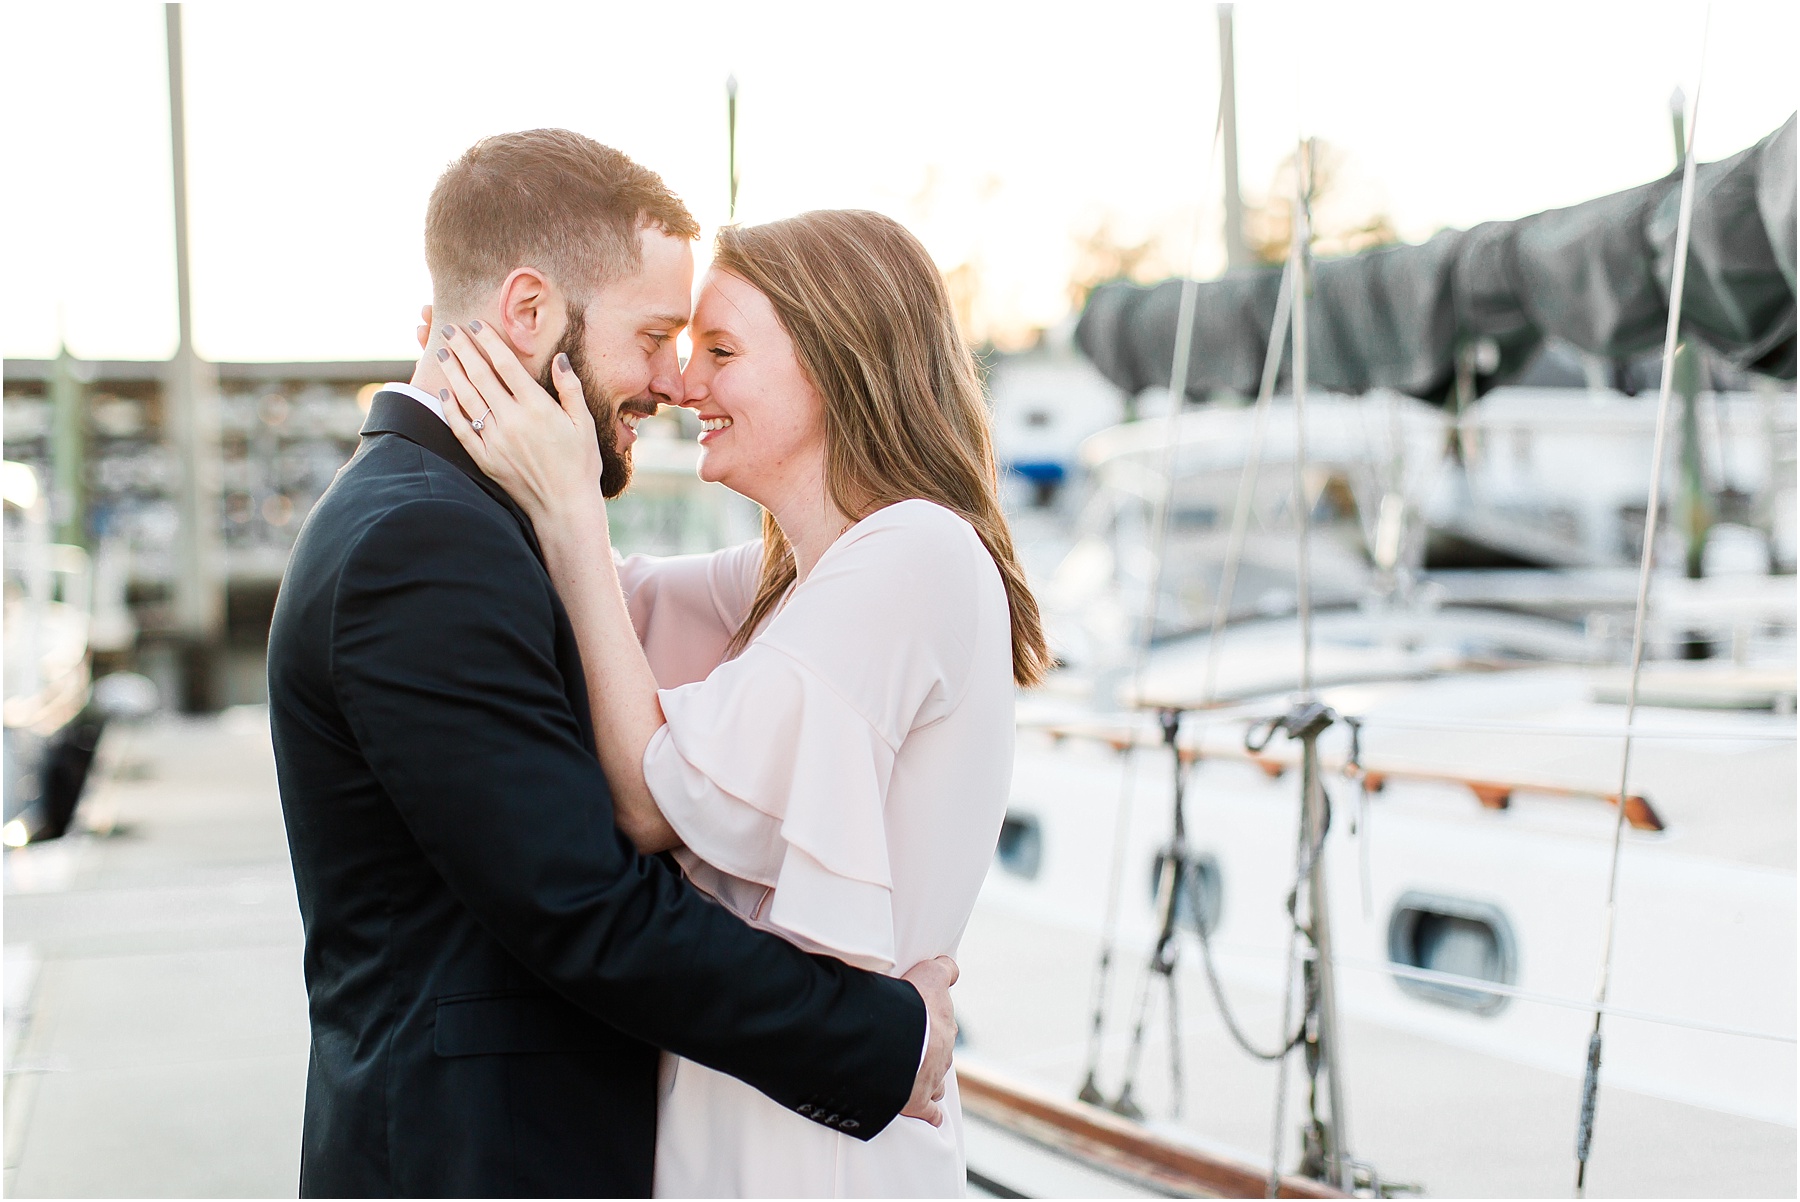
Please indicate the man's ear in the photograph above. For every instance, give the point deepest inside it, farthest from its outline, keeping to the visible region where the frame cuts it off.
(533, 315)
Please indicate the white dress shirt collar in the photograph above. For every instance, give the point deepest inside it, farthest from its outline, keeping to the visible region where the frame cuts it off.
(420, 395)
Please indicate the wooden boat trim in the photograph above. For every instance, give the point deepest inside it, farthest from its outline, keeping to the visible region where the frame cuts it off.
(1491, 793)
(1116, 1145)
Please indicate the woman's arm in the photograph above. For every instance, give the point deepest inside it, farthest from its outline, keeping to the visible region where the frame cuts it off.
(547, 458)
(622, 694)
(686, 608)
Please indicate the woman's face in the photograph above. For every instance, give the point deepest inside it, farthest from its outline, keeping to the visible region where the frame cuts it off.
(763, 423)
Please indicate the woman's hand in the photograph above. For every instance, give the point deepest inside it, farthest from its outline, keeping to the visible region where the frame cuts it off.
(546, 456)
(541, 449)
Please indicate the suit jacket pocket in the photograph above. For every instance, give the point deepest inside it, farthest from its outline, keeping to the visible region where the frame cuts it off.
(518, 1023)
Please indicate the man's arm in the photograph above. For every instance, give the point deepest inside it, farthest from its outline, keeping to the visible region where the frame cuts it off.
(443, 657)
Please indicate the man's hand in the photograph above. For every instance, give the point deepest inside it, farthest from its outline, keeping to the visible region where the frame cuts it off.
(933, 979)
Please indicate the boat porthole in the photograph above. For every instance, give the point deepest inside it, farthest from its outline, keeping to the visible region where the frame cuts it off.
(1201, 892)
(1455, 936)
(1020, 850)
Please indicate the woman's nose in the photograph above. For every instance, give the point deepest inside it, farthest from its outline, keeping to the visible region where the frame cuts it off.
(693, 387)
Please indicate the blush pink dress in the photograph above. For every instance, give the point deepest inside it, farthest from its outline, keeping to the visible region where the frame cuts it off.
(842, 783)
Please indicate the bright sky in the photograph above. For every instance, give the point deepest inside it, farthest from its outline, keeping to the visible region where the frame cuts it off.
(996, 130)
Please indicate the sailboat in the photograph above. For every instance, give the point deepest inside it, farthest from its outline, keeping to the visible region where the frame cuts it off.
(1399, 842)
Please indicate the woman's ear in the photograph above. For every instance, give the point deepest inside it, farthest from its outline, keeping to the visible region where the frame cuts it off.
(533, 316)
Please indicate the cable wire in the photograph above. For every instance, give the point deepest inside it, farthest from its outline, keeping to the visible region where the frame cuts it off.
(1590, 1088)
(1178, 374)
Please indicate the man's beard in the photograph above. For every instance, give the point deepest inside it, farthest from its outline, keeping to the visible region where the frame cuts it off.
(615, 465)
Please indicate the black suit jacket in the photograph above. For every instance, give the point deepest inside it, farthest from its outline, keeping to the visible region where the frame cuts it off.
(490, 967)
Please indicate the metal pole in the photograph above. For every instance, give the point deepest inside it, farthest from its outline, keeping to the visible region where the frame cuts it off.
(731, 87)
(1313, 792)
(178, 163)
(1684, 222)
(68, 451)
(1302, 236)
(192, 427)
(1695, 504)
(1337, 1153)
(1695, 509)
(1773, 446)
(1678, 119)
(1236, 253)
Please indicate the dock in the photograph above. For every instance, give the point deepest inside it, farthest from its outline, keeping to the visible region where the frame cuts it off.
(156, 1033)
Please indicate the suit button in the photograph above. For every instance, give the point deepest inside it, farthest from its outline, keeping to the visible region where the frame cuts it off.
(851, 1124)
(832, 1121)
(805, 1109)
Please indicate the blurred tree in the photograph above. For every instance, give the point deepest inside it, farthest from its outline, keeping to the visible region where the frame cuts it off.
(1347, 214)
(1102, 255)
(963, 282)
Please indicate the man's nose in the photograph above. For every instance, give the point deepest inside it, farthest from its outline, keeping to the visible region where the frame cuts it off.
(667, 383)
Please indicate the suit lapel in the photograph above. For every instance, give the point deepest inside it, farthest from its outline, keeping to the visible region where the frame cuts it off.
(397, 413)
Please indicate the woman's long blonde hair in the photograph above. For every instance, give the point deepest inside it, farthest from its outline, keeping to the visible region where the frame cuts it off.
(873, 329)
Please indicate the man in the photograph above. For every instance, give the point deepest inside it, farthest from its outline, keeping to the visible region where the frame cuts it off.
(490, 967)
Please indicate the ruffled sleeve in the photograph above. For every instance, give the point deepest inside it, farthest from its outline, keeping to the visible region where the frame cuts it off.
(775, 769)
(770, 778)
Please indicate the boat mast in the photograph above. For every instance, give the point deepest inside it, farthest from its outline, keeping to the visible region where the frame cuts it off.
(1163, 958)
(1313, 803)
(731, 90)
(1236, 253)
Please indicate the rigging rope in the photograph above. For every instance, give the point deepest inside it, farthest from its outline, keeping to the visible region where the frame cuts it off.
(1319, 1018)
(1389, 968)
(1316, 1024)
(1246, 495)
(1233, 1027)
(1178, 374)
(1590, 1088)
(1298, 255)
(1240, 524)
(1109, 930)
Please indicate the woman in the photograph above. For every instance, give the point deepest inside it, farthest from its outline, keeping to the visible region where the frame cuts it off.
(841, 776)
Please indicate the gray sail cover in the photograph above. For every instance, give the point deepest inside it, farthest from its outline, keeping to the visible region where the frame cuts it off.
(1595, 275)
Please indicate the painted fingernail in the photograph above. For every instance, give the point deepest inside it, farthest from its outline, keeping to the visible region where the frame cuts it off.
(562, 361)
(443, 354)
(475, 327)
(444, 395)
(447, 331)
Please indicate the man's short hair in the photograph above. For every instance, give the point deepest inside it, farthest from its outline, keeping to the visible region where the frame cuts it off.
(544, 198)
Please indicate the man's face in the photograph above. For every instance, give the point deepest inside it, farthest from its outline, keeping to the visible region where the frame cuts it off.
(622, 348)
